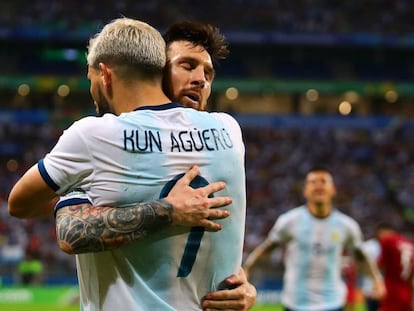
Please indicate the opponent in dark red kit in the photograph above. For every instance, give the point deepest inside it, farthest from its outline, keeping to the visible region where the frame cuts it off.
(396, 261)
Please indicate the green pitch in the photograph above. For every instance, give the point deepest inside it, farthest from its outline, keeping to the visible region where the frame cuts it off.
(273, 307)
(25, 307)
(37, 307)
(267, 307)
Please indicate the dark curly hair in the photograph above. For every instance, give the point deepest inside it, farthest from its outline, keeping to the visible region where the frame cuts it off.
(202, 34)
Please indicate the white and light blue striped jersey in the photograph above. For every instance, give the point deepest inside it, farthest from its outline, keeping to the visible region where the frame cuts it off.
(122, 160)
(313, 257)
(372, 249)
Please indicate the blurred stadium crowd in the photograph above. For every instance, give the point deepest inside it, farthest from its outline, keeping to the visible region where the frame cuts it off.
(372, 161)
(302, 16)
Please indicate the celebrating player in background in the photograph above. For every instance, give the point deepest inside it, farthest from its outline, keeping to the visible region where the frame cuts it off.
(135, 154)
(396, 262)
(315, 236)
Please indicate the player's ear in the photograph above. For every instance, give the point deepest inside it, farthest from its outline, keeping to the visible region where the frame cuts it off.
(106, 75)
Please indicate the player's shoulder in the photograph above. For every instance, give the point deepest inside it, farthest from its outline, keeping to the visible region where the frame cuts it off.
(338, 213)
(225, 120)
(287, 220)
(224, 116)
(95, 123)
(92, 120)
(345, 219)
(394, 238)
(294, 212)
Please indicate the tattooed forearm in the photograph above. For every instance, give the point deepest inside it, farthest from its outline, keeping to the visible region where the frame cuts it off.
(85, 228)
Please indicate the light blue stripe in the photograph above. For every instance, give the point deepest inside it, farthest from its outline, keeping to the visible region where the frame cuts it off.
(329, 284)
(304, 228)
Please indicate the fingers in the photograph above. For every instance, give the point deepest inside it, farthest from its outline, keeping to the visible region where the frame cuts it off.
(214, 187)
(241, 294)
(196, 206)
(218, 202)
(213, 205)
(224, 300)
(241, 298)
(209, 189)
(235, 280)
(211, 225)
(189, 175)
(208, 224)
(217, 214)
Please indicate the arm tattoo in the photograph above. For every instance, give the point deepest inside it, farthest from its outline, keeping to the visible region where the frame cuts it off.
(86, 228)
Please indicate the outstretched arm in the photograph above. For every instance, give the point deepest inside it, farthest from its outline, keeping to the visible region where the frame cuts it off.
(260, 251)
(373, 272)
(86, 228)
(240, 295)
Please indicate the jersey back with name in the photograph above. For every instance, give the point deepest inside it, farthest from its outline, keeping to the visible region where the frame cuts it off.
(136, 157)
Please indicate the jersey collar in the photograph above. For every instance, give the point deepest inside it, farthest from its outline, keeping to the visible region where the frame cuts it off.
(161, 107)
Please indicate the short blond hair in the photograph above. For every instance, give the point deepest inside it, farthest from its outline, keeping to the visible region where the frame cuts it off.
(131, 44)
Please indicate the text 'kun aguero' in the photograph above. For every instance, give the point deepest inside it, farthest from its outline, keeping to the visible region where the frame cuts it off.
(212, 139)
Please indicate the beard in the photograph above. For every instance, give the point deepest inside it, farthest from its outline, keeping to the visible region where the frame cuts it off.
(102, 105)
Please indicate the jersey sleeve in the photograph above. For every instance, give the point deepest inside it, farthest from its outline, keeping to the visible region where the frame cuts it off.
(279, 232)
(68, 165)
(75, 197)
(355, 239)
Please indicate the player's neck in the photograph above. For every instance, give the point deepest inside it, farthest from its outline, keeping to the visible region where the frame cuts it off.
(139, 96)
(319, 210)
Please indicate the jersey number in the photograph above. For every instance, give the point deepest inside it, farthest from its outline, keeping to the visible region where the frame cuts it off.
(406, 252)
(196, 234)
